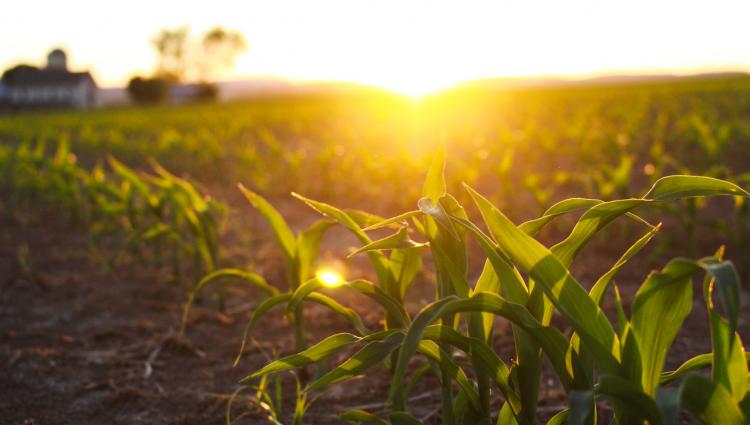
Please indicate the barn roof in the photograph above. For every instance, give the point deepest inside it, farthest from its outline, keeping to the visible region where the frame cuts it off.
(25, 75)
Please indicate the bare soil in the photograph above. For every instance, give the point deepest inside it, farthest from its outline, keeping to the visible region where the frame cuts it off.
(80, 344)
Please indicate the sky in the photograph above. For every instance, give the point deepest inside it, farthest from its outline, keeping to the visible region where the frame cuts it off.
(408, 45)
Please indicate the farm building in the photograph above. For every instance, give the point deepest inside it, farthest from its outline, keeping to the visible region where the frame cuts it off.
(54, 86)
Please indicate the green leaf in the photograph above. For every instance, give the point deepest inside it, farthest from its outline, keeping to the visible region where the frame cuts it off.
(308, 245)
(581, 407)
(340, 216)
(452, 275)
(393, 221)
(249, 277)
(360, 416)
(302, 292)
(513, 286)
(590, 223)
(677, 187)
(259, 312)
(488, 281)
(600, 287)
(532, 227)
(363, 218)
(727, 281)
(568, 296)
(391, 306)
(378, 260)
(282, 232)
(398, 240)
(559, 418)
(554, 344)
(403, 418)
(404, 265)
(729, 366)
(477, 350)
(434, 185)
(320, 351)
(698, 362)
(348, 313)
(130, 176)
(710, 402)
(630, 401)
(370, 355)
(660, 307)
(450, 370)
(669, 402)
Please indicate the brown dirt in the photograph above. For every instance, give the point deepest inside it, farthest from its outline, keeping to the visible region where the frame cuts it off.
(79, 344)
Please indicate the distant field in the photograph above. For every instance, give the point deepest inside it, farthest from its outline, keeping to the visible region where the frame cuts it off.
(595, 140)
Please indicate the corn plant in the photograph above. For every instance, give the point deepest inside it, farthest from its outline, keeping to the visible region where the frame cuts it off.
(195, 218)
(136, 208)
(269, 396)
(595, 361)
(300, 255)
(165, 211)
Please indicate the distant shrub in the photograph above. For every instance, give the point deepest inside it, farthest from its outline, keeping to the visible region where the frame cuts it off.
(148, 90)
(206, 92)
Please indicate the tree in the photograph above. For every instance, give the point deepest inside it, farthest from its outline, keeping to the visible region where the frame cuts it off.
(171, 45)
(183, 58)
(220, 47)
(148, 90)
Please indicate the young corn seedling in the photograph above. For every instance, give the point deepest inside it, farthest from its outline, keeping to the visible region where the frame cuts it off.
(395, 274)
(269, 396)
(547, 268)
(300, 255)
(195, 217)
(585, 363)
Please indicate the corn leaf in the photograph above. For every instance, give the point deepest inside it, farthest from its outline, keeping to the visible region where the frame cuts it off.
(403, 418)
(393, 221)
(482, 352)
(249, 277)
(308, 245)
(710, 402)
(677, 187)
(633, 404)
(283, 234)
(561, 288)
(660, 307)
(259, 312)
(370, 355)
(532, 227)
(549, 338)
(404, 265)
(450, 370)
(360, 416)
(434, 184)
(600, 287)
(398, 240)
(320, 351)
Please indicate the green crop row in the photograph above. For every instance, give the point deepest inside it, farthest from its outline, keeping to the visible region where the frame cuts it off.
(138, 212)
(601, 362)
(524, 149)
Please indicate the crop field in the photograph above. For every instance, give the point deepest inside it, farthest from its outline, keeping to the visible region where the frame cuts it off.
(568, 254)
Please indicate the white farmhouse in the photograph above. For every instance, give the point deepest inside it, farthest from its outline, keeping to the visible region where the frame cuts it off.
(29, 87)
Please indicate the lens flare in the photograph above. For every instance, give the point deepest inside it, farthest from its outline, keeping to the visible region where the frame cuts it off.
(329, 278)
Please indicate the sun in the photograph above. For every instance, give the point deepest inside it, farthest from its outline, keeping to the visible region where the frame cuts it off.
(415, 90)
(329, 278)
(415, 86)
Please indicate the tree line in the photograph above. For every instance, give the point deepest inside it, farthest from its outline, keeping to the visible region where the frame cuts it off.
(183, 58)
